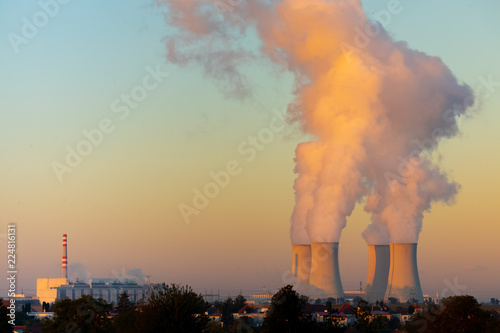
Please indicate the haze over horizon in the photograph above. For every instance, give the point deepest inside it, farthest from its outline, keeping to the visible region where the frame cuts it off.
(120, 203)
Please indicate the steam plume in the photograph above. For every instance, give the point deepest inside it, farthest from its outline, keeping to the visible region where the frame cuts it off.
(79, 272)
(370, 102)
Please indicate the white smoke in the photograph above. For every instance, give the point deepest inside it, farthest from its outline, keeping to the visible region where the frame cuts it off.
(370, 108)
(78, 272)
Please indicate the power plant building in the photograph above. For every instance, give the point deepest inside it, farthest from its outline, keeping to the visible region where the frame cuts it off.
(106, 289)
(50, 290)
(46, 289)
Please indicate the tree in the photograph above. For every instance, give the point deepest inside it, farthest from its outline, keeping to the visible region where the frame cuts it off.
(4, 314)
(26, 307)
(226, 309)
(21, 317)
(285, 312)
(367, 323)
(394, 324)
(214, 327)
(172, 308)
(31, 324)
(458, 314)
(242, 325)
(85, 314)
(124, 304)
(377, 324)
(332, 325)
(363, 312)
(230, 306)
(46, 307)
(124, 322)
(239, 302)
(328, 305)
(393, 300)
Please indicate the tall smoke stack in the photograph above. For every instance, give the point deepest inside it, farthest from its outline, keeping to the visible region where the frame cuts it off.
(404, 283)
(65, 257)
(301, 262)
(378, 272)
(325, 273)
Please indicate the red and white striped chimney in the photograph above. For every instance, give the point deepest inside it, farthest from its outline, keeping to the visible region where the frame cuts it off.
(65, 257)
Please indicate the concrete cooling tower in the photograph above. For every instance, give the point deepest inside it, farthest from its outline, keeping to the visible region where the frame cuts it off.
(325, 274)
(404, 283)
(301, 262)
(379, 257)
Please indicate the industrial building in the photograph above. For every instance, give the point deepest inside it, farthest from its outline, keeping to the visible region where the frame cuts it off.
(51, 289)
(106, 289)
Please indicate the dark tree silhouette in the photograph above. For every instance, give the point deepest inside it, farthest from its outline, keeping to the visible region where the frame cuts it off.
(230, 306)
(458, 314)
(85, 314)
(172, 308)
(124, 322)
(239, 302)
(363, 312)
(285, 312)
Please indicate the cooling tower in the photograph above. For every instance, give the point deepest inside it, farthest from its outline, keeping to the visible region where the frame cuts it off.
(65, 257)
(301, 262)
(379, 261)
(404, 283)
(325, 273)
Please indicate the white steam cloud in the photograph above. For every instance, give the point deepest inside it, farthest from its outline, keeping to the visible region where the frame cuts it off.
(78, 272)
(376, 108)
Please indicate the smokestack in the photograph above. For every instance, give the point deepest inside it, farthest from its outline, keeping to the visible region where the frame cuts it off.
(379, 261)
(404, 283)
(65, 257)
(325, 273)
(301, 262)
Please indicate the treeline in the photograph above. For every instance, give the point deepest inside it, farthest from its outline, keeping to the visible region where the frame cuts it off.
(174, 308)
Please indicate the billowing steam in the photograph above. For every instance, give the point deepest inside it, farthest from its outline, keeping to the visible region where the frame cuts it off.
(376, 108)
(78, 272)
(134, 274)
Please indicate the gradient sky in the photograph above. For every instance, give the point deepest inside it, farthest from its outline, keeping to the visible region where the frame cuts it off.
(119, 207)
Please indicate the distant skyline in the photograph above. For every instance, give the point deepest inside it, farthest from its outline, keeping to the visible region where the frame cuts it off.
(97, 72)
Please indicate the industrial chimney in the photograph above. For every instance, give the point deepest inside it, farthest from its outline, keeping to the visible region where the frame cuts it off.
(325, 273)
(301, 262)
(65, 257)
(404, 283)
(378, 272)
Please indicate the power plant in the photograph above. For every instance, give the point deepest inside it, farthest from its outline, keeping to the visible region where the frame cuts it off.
(392, 271)
(301, 262)
(51, 289)
(379, 260)
(404, 283)
(325, 272)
